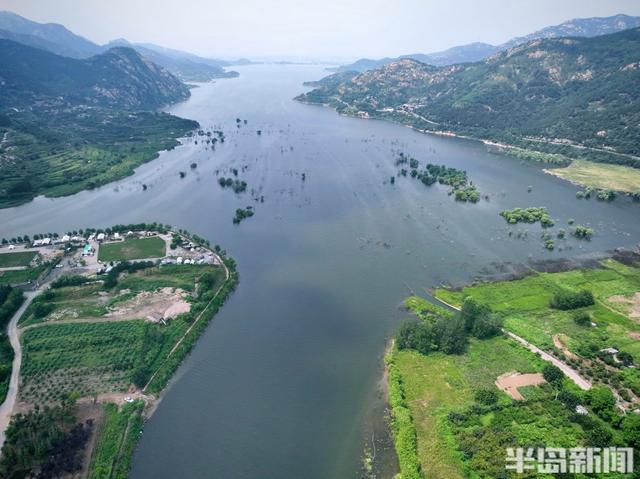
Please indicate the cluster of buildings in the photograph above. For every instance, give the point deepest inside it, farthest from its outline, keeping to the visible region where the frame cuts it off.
(207, 258)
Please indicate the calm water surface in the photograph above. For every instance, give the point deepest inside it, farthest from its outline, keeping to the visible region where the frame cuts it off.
(284, 382)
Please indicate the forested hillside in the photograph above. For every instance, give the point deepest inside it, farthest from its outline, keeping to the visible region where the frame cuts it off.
(565, 91)
(69, 124)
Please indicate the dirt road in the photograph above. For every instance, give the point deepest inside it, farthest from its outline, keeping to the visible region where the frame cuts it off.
(12, 331)
(581, 382)
(571, 373)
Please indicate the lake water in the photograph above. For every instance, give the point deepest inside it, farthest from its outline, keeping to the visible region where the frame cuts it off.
(284, 382)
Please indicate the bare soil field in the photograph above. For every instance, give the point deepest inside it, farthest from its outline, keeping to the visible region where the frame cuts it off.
(165, 303)
(510, 382)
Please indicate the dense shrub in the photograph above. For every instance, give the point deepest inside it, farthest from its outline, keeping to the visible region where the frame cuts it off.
(417, 335)
(479, 321)
(404, 431)
(552, 374)
(486, 397)
(582, 318)
(47, 440)
(569, 399)
(602, 401)
(567, 300)
(41, 309)
(451, 335)
(12, 299)
(69, 280)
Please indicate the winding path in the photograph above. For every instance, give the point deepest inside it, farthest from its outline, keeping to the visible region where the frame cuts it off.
(12, 331)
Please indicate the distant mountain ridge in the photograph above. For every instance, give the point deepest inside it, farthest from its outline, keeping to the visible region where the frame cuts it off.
(59, 40)
(546, 94)
(118, 78)
(179, 63)
(54, 35)
(473, 52)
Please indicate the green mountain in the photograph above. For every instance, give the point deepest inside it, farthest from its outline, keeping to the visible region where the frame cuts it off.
(560, 95)
(57, 39)
(473, 52)
(68, 124)
(118, 78)
(179, 63)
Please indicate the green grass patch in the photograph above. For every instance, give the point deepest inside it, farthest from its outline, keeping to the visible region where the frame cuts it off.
(118, 435)
(22, 275)
(69, 151)
(21, 258)
(132, 248)
(600, 175)
(524, 304)
(437, 384)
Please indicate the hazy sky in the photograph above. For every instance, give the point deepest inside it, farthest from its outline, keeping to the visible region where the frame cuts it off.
(318, 29)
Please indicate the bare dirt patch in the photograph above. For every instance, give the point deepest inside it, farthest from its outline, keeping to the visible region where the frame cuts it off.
(632, 304)
(510, 382)
(164, 303)
(560, 342)
(634, 335)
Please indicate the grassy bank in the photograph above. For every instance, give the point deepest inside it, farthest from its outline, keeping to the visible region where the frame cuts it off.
(75, 152)
(437, 384)
(215, 300)
(600, 175)
(117, 440)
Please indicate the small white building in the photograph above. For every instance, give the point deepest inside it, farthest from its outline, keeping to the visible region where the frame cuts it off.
(580, 409)
(116, 235)
(100, 237)
(65, 239)
(12, 246)
(613, 351)
(46, 242)
(179, 260)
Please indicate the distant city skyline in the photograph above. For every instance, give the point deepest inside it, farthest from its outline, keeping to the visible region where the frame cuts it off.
(309, 30)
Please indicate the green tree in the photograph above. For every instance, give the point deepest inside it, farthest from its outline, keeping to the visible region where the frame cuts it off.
(631, 430)
(602, 401)
(582, 318)
(486, 397)
(451, 335)
(552, 374)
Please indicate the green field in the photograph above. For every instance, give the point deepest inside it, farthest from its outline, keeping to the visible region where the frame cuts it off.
(97, 355)
(21, 258)
(118, 436)
(22, 275)
(437, 384)
(64, 153)
(458, 435)
(524, 305)
(132, 248)
(600, 175)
